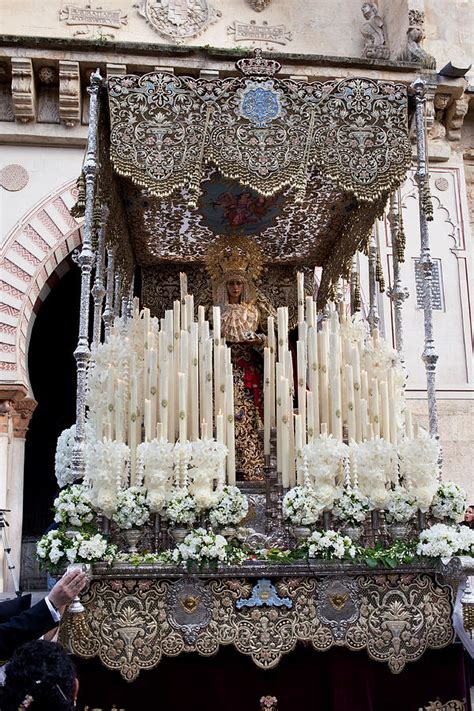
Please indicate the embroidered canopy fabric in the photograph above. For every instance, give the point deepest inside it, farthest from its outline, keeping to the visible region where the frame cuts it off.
(303, 167)
(264, 132)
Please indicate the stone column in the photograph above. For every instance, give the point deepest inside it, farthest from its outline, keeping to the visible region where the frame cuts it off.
(16, 410)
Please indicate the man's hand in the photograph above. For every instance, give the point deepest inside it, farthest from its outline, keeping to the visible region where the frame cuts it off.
(67, 588)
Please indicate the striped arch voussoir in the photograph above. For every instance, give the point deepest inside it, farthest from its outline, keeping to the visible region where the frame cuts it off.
(34, 249)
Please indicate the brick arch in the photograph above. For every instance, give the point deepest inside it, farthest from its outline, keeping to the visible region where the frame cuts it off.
(30, 255)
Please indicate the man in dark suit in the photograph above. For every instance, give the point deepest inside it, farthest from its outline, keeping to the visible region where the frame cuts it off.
(43, 616)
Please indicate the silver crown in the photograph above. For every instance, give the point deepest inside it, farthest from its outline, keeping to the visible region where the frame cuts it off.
(258, 65)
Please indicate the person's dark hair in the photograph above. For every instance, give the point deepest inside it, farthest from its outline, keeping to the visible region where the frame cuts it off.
(41, 677)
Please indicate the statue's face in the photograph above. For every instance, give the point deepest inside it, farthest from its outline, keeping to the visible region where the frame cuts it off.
(367, 10)
(234, 289)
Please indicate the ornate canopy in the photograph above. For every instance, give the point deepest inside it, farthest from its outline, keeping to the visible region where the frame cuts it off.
(304, 167)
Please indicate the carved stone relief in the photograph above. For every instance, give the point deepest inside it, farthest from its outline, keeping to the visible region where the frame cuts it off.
(48, 95)
(23, 89)
(69, 92)
(244, 31)
(455, 114)
(178, 20)
(259, 5)
(93, 17)
(373, 32)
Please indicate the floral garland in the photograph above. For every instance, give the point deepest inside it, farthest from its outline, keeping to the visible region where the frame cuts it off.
(351, 507)
(302, 506)
(73, 506)
(329, 545)
(133, 509)
(230, 507)
(449, 502)
(402, 506)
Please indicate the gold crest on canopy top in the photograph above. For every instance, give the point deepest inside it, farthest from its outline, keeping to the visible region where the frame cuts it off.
(237, 257)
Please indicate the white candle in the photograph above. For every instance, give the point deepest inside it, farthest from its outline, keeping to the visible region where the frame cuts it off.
(351, 408)
(313, 378)
(153, 395)
(132, 429)
(298, 446)
(182, 403)
(189, 310)
(310, 317)
(278, 376)
(282, 319)
(216, 325)
(208, 385)
(266, 399)
(285, 434)
(301, 380)
(204, 434)
(364, 420)
(336, 414)
(230, 432)
(220, 428)
(374, 407)
(323, 377)
(300, 290)
(385, 424)
(159, 431)
(119, 410)
(310, 426)
(408, 424)
(148, 429)
(201, 314)
(193, 399)
(183, 285)
(164, 396)
(355, 361)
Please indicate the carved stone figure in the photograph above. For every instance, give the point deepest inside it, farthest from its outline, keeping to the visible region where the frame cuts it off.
(413, 51)
(373, 33)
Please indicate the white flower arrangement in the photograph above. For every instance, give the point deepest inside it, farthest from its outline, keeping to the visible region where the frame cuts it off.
(449, 502)
(419, 467)
(63, 460)
(155, 470)
(201, 547)
(301, 506)
(402, 506)
(73, 506)
(319, 467)
(206, 469)
(329, 545)
(230, 507)
(442, 541)
(57, 549)
(181, 508)
(351, 507)
(106, 470)
(132, 508)
(375, 465)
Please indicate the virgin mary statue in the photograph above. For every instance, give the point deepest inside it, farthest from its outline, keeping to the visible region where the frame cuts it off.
(234, 264)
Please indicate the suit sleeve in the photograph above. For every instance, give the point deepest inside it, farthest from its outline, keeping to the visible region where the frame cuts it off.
(28, 625)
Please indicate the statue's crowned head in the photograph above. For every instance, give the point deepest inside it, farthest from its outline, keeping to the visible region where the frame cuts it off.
(234, 258)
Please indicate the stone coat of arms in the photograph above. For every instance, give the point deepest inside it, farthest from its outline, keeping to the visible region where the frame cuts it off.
(178, 20)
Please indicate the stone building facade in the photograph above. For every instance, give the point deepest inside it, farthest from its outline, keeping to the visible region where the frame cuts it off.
(47, 54)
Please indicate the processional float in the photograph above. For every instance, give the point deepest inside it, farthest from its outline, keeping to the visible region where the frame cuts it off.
(246, 419)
